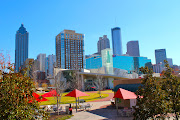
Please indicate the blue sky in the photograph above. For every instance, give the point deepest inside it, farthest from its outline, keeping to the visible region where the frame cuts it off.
(155, 23)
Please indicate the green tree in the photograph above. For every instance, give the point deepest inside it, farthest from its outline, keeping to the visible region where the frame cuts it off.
(171, 91)
(16, 99)
(160, 95)
(149, 101)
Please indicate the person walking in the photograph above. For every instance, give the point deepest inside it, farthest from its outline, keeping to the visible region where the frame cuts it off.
(70, 109)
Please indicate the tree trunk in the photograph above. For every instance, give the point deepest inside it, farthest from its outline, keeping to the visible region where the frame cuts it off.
(57, 105)
(76, 104)
(78, 100)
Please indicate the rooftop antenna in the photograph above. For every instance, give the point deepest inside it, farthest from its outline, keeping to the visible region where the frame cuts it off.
(115, 22)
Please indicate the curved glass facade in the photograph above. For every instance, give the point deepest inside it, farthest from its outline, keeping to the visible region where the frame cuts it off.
(116, 41)
(93, 62)
(129, 63)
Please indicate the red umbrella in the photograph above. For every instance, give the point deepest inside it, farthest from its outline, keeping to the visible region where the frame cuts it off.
(38, 98)
(35, 95)
(50, 94)
(76, 93)
(41, 99)
(125, 94)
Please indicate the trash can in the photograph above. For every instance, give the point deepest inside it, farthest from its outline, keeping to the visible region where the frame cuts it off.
(67, 109)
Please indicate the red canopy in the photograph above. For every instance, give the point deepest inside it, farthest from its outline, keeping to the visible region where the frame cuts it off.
(38, 98)
(125, 94)
(50, 94)
(76, 93)
(35, 95)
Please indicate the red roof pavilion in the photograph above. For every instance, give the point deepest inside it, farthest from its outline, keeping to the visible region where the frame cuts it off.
(125, 94)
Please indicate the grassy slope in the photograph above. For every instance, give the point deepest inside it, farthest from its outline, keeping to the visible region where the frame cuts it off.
(65, 100)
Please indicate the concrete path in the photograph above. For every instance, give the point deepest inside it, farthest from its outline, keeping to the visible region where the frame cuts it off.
(99, 111)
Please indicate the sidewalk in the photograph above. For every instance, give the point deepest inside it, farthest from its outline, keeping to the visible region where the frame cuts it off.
(99, 111)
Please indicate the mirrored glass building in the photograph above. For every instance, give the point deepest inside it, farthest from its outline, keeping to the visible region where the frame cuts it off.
(21, 47)
(116, 41)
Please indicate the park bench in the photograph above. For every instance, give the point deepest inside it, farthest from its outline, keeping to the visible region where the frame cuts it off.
(88, 106)
(81, 101)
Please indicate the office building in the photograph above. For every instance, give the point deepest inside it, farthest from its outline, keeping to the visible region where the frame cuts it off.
(158, 68)
(70, 50)
(133, 48)
(129, 63)
(116, 41)
(41, 58)
(21, 47)
(170, 62)
(103, 43)
(51, 64)
(160, 55)
(107, 60)
(29, 64)
(46, 67)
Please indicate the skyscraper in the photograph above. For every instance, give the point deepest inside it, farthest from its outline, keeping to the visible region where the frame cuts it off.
(116, 41)
(160, 55)
(41, 58)
(133, 48)
(46, 66)
(70, 50)
(51, 64)
(21, 47)
(103, 43)
(170, 62)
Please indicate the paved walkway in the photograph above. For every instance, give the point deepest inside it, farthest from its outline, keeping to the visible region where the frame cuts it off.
(99, 111)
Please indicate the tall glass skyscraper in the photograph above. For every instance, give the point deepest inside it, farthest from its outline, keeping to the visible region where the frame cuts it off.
(116, 41)
(160, 55)
(21, 47)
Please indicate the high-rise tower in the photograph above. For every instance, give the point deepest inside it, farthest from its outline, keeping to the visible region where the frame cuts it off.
(116, 41)
(51, 64)
(103, 43)
(41, 58)
(21, 47)
(70, 50)
(133, 48)
(160, 55)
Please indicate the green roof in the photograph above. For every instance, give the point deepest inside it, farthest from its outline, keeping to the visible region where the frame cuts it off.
(130, 87)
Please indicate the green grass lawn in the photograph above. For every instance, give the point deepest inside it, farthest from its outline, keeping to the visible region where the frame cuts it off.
(64, 117)
(65, 100)
(107, 91)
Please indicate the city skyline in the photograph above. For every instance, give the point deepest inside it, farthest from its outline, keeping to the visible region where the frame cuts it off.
(148, 26)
